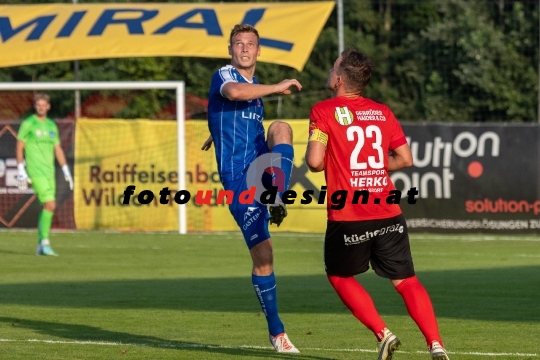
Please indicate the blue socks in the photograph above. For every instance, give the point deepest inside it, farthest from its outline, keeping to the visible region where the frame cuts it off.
(265, 288)
(287, 157)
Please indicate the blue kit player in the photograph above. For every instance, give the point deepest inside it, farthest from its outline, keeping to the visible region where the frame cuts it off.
(235, 115)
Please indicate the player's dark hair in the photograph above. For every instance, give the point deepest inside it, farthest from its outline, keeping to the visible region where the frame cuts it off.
(356, 68)
(42, 96)
(243, 28)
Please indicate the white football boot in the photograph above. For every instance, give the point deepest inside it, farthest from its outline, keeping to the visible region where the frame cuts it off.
(282, 344)
(387, 345)
(437, 352)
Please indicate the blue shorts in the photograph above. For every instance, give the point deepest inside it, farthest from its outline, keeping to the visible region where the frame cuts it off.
(251, 218)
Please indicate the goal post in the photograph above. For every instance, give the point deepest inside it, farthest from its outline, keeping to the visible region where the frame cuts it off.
(178, 86)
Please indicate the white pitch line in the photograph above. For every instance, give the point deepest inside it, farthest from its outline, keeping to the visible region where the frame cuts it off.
(471, 238)
(187, 346)
(488, 354)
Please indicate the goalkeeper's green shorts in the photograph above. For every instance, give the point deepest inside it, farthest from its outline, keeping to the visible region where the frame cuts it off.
(45, 188)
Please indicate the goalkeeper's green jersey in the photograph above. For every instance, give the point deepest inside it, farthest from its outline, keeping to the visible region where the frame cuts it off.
(39, 137)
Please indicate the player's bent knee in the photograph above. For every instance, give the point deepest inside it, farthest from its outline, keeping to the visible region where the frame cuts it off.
(278, 127)
(263, 270)
(279, 133)
(50, 206)
(404, 281)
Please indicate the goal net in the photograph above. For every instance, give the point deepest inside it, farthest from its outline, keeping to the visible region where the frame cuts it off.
(119, 134)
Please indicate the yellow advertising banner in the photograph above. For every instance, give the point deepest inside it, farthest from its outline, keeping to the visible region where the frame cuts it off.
(203, 175)
(33, 34)
(111, 155)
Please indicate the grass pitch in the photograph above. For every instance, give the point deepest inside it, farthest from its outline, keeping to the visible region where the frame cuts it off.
(166, 296)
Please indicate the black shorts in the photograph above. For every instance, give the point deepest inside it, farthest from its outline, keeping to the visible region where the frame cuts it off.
(350, 246)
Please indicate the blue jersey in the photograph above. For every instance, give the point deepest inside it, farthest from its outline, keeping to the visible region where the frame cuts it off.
(236, 126)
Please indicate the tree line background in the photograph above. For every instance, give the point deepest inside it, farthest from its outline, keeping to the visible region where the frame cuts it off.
(436, 60)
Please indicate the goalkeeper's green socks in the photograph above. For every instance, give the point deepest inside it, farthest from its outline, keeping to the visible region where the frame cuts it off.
(44, 224)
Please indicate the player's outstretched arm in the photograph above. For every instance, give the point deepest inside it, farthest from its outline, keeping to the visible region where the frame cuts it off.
(207, 144)
(243, 91)
(401, 157)
(61, 157)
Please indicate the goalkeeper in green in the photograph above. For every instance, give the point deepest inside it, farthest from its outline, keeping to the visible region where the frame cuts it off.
(38, 142)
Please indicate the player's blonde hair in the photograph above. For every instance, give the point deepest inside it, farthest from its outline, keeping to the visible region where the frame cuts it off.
(42, 96)
(356, 68)
(243, 28)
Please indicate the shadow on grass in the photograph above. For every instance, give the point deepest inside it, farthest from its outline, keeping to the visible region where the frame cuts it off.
(87, 333)
(499, 294)
(22, 252)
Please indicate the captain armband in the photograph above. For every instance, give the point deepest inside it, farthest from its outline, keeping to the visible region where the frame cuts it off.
(318, 135)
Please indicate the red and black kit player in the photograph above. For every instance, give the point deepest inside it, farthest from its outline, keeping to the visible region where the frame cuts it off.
(356, 142)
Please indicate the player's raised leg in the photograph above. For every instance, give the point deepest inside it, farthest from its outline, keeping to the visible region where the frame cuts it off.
(280, 141)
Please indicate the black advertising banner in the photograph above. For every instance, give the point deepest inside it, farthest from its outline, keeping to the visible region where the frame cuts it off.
(20, 209)
(473, 178)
